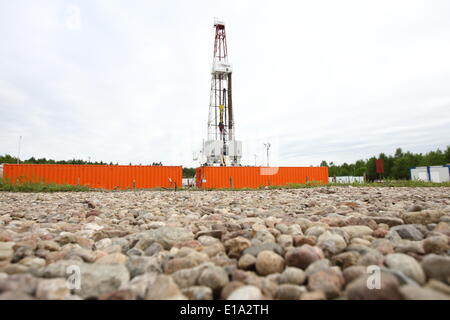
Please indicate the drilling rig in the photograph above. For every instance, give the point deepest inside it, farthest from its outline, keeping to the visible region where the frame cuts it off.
(220, 148)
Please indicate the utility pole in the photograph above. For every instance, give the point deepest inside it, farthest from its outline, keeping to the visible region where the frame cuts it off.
(255, 159)
(18, 152)
(267, 145)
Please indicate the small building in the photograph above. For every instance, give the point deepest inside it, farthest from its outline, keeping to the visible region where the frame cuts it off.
(440, 173)
(431, 173)
(419, 174)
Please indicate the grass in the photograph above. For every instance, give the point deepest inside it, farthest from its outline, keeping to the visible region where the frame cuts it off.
(315, 184)
(394, 183)
(5, 185)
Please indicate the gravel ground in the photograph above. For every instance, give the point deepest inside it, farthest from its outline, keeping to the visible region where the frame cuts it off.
(315, 243)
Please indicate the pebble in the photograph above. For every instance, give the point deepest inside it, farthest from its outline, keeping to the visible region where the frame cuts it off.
(417, 293)
(406, 264)
(268, 262)
(52, 289)
(164, 288)
(247, 261)
(213, 277)
(292, 275)
(389, 288)
(303, 256)
(289, 291)
(408, 231)
(331, 243)
(437, 267)
(329, 281)
(198, 293)
(246, 293)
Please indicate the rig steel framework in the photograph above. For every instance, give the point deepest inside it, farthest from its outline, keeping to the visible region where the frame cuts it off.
(221, 148)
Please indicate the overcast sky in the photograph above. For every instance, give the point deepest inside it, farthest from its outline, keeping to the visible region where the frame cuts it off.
(129, 81)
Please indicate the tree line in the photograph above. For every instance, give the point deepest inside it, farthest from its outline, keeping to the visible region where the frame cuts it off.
(10, 159)
(396, 166)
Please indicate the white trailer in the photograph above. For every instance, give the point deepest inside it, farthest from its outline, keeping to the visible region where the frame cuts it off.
(439, 173)
(420, 174)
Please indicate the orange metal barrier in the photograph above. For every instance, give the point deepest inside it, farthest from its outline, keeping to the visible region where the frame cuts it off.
(254, 177)
(96, 176)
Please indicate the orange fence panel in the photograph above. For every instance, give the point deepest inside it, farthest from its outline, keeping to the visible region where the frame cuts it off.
(96, 176)
(254, 177)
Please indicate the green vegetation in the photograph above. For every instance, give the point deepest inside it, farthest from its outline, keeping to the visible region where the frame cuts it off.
(51, 187)
(386, 183)
(10, 159)
(188, 172)
(396, 166)
(39, 187)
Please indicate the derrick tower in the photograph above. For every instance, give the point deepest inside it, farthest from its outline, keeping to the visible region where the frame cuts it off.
(221, 148)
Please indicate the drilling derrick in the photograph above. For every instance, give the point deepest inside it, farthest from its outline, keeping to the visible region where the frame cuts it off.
(220, 147)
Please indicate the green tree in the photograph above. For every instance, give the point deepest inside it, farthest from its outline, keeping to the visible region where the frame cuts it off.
(323, 164)
(447, 155)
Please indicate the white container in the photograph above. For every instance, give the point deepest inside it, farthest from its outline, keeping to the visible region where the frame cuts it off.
(439, 173)
(420, 174)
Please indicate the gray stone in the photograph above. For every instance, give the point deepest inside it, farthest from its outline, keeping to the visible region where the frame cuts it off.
(6, 250)
(317, 266)
(141, 264)
(52, 289)
(388, 290)
(25, 283)
(271, 246)
(418, 293)
(289, 292)
(408, 232)
(247, 261)
(98, 279)
(292, 275)
(437, 267)
(406, 264)
(213, 277)
(331, 243)
(166, 236)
